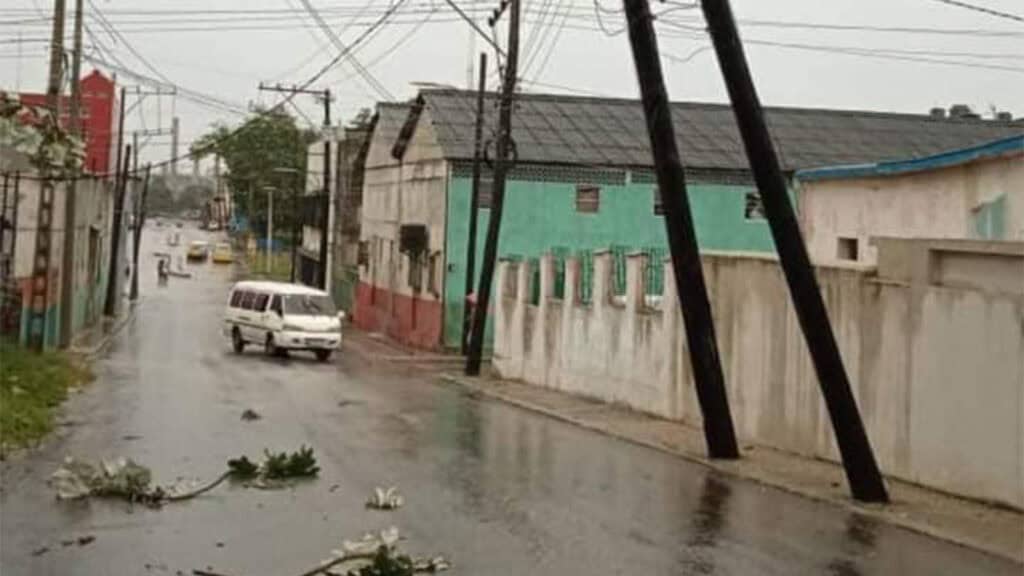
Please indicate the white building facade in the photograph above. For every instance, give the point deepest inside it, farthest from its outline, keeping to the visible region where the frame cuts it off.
(972, 193)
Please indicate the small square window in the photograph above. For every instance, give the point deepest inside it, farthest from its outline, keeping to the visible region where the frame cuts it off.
(363, 256)
(847, 249)
(753, 209)
(588, 198)
(659, 205)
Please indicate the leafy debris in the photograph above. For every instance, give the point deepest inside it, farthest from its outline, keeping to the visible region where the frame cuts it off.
(301, 464)
(125, 479)
(385, 499)
(242, 468)
(250, 415)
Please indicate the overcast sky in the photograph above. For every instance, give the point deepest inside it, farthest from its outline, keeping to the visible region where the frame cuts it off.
(226, 54)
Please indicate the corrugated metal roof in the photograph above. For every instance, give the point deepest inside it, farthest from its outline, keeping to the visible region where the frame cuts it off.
(557, 129)
(995, 149)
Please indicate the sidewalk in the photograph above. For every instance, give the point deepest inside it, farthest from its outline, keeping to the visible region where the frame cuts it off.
(94, 340)
(996, 530)
(377, 347)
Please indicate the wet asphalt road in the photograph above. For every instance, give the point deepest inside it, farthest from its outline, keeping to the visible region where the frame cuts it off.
(496, 489)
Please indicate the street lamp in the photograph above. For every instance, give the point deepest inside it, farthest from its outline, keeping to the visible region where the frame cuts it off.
(270, 223)
(295, 213)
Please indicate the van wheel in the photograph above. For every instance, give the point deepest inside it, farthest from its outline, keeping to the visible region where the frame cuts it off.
(270, 348)
(322, 355)
(236, 340)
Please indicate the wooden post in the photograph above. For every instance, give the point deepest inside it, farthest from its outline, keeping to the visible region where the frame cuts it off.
(501, 167)
(682, 240)
(858, 459)
(474, 205)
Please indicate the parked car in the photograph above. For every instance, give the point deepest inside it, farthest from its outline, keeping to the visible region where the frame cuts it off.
(282, 317)
(223, 253)
(198, 251)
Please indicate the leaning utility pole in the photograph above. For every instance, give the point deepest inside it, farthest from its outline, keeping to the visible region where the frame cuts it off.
(474, 204)
(858, 459)
(501, 167)
(682, 240)
(67, 268)
(140, 219)
(114, 271)
(40, 294)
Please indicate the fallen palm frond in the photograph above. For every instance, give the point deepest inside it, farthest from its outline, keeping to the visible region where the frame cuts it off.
(125, 479)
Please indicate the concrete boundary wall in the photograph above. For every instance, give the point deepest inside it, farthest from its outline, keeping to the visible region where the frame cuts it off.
(935, 361)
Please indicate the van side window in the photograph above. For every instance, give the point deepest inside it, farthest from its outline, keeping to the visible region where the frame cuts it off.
(261, 302)
(236, 299)
(275, 305)
(247, 300)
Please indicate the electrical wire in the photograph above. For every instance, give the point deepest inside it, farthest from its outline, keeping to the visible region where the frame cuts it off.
(356, 65)
(476, 27)
(551, 46)
(982, 9)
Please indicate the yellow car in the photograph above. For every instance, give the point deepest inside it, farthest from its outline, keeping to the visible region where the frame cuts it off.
(198, 251)
(222, 254)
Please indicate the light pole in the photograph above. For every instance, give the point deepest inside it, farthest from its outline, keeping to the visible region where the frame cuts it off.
(270, 224)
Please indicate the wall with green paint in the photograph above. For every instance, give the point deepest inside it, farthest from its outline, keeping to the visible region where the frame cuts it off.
(540, 215)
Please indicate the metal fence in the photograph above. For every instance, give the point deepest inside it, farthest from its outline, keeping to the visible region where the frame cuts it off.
(654, 275)
(586, 275)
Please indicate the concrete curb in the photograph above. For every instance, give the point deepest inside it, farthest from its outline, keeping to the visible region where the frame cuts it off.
(104, 341)
(876, 512)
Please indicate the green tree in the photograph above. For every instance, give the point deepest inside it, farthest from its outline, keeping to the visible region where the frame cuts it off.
(267, 150)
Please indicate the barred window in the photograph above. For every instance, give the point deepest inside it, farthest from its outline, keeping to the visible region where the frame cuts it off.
(588, 198)
(752, 207)
(659, 205)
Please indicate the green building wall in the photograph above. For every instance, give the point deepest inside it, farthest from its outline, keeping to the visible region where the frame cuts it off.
(540, 215)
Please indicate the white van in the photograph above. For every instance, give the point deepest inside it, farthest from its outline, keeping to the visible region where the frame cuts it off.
(282, 317)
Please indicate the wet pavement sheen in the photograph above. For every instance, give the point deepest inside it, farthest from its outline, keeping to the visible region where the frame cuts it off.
(496, 489)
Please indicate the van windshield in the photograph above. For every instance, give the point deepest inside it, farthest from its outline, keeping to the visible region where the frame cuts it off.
(309, 305)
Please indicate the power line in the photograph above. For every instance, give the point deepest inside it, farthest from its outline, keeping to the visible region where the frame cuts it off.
(551, 47)
(363, 72)
(304, 85)
(982, 9)
(487, 38)
(924, 56)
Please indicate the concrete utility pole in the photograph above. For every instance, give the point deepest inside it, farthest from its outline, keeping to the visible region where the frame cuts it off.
(325, 96)
(325, 205)
(862, 471)
(56, 60)
(270, 226)
(140, 219)
(175, 134)
(682, 240)
(110, 306)
(40, 295)
(67, 277)
(501, 167)
(474, 203)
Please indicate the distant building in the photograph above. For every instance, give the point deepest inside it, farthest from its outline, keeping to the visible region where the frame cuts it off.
(583, 179)
(969, 193)
(98, 119)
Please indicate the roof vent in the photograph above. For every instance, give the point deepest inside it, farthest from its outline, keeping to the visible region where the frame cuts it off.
(1004, 116)
(937, 112)
(962, 111)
